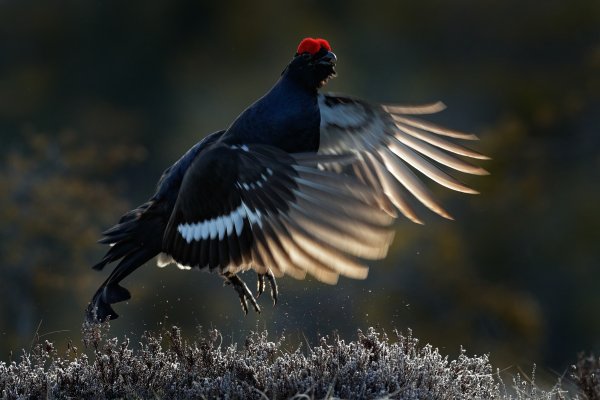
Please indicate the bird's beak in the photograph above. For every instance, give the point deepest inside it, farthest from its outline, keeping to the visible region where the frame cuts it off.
(328, 58)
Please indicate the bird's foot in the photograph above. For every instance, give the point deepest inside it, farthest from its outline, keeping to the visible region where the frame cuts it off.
(243, 292)
(272, 283)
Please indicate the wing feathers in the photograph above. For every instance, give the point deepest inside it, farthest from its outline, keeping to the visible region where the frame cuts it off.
(439, 142)
(393, 189)
(258, 207)
(390, 147)
(358, 234)
(276, 212)
(327, 256)
(415, 110)
(431, 127)
(343, 241)
(428, 169)
(440, 156)
(299, 257)
(275, 235)
(411, 182)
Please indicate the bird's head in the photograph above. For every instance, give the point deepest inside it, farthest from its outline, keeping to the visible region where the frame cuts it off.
(313, 64)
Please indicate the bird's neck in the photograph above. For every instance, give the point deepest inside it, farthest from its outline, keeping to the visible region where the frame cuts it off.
(286, 117)
(292, 77)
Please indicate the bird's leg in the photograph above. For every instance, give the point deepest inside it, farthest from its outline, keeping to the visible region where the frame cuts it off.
(261, 285)
(242, 291)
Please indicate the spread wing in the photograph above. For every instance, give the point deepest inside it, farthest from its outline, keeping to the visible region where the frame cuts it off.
(391, 146)
(258, 207)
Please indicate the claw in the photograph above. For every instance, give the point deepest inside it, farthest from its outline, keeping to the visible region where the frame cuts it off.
(260, 285)
(272, 283)
(242, 291)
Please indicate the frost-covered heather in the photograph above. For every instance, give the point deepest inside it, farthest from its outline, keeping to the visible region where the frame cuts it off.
(587, 376)
(167, 366)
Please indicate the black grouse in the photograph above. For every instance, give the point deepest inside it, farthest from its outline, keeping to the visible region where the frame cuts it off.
(301, 182)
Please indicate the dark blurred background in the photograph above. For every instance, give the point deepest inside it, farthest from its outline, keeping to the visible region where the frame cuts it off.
(98, 97)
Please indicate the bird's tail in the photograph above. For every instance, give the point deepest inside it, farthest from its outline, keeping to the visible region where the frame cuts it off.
(134, 240)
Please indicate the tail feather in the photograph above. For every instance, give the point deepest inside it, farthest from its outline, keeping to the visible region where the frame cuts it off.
(135, 213)
(117, 236)
(135, 240)
(128, 223)
(116, 293)
(99, 310)
(116, 252)
(110, 291)
(119, 228)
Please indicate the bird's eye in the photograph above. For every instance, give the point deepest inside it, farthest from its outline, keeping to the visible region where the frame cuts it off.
(306, 56)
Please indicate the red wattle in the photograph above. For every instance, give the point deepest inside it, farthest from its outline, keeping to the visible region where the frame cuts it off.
(312, 46)
(308, 45)
(324, 43)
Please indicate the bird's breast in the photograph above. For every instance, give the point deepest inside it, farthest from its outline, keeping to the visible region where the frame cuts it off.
(288, 122)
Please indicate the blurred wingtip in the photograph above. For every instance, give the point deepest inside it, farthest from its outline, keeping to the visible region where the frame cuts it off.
(446, 215)
(482, 172)
(430, 108)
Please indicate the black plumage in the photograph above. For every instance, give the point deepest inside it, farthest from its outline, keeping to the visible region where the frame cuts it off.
(301, 182)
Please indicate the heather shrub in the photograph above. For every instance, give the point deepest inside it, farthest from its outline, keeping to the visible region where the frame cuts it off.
(166, 365)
